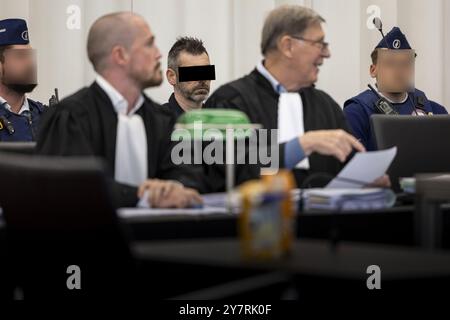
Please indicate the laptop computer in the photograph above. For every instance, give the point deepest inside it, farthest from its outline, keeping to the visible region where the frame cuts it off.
(423, 143)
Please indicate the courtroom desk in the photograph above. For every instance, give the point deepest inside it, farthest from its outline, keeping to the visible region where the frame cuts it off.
(393, 225)
(317, 269)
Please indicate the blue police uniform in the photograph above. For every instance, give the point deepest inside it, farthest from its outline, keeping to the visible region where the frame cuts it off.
(22, 126)
(358, 109)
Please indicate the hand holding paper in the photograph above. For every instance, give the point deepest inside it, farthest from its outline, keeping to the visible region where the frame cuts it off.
(364, 168)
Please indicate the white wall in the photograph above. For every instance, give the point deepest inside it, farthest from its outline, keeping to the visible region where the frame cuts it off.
(231, 32)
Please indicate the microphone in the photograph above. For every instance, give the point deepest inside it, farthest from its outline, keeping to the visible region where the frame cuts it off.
(379, 25)
(7, 124)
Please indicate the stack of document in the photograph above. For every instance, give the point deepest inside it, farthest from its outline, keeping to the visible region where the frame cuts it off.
(346, 191)
(348, 199)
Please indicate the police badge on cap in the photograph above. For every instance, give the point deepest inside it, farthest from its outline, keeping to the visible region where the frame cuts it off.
(395, 39)
(13, 31)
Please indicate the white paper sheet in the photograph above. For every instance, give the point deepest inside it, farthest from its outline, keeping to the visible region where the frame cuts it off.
(364, 168)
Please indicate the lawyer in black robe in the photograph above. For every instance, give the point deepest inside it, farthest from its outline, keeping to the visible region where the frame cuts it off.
(85, 124)
(254, 95)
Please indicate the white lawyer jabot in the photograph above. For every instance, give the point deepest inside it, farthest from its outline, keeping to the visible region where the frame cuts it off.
(290, 121)
(131, 138)
(131, 150)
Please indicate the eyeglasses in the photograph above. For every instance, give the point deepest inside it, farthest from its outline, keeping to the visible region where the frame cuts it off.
(322, 45)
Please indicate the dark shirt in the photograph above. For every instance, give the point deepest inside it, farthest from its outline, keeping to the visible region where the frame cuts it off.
(174, 106)
(211, 178)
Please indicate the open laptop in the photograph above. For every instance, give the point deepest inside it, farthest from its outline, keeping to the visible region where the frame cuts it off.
(423, 143)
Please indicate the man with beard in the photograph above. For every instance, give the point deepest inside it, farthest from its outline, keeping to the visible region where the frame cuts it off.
(190, 73)
(392, 66)
(19, 115)
(188, 55)
(112, 119)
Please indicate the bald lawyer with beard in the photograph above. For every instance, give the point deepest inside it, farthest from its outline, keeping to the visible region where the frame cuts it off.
(112, 118)
(280, 94)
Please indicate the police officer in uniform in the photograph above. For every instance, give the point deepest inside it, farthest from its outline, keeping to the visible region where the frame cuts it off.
(393, 63)
(19, 115)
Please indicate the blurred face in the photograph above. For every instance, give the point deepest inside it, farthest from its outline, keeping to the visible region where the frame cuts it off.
(144, 58)
(196, 91)
(308, 53)
(394, 70)
(18, 68)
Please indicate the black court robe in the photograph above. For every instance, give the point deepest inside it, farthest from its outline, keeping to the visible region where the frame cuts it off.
(254, 95)
(85, 124)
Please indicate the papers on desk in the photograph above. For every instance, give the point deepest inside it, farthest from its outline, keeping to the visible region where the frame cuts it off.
(363, 169)
(348, 199)
(144, 212)
(213, 203)
(345, 191)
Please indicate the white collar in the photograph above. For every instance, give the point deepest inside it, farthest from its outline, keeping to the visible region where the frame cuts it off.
(118, 101)
(25, 106)
(277, 86)
(390, 101)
